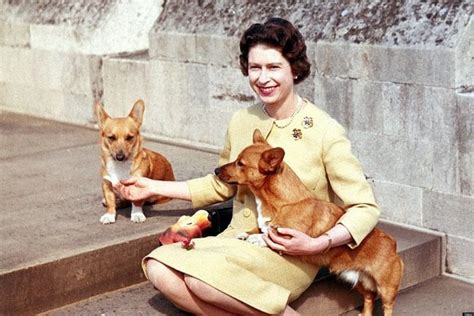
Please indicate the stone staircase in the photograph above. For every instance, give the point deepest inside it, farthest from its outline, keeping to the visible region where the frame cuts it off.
(420, 251)
(57, 259)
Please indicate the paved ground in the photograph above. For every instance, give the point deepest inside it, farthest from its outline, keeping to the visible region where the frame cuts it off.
(441, 296)
(52, 196)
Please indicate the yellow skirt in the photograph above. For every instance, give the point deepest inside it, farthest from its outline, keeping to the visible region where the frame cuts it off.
(252, 274)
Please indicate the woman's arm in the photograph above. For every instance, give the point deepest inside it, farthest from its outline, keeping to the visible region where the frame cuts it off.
(293, 242)
(138, 189)
(200, 191)
(347, 180)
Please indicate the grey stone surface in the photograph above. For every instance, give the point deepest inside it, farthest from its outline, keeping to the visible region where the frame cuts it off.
(99, 27)
(185, 89)
(14, 34)
(464, 131)
(59, 85)
(125, 81)
(411, 65)
(399, 203)
(357, 104)
(45, 103)
(16, 65)
(53, 192)
(140, 299)
(439, 296)
(464, 57)
(394, 159)
(382, 22)
(460, 256)
(26, 136)
(197, 48)
(451, 214)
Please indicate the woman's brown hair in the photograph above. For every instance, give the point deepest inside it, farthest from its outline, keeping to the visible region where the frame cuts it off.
(282, 35)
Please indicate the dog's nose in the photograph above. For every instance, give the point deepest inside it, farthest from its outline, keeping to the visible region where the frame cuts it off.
(216, 171)
(120, 156)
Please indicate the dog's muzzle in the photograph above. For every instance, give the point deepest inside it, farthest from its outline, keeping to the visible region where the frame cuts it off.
(120, 156)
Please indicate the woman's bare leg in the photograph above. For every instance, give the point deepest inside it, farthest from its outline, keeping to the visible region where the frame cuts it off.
(195, 296)
(215, 297)
(171, 284)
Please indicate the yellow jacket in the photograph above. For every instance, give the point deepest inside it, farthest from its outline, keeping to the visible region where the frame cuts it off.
(317, 150)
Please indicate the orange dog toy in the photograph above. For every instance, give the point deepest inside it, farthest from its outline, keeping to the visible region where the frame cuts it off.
(186, 228)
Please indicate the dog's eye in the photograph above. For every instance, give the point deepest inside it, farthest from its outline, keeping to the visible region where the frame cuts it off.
(112, 137)
(129, 138)
(240, 164)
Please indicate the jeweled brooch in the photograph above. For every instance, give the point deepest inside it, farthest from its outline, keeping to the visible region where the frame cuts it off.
(307, 122)
(297, 134)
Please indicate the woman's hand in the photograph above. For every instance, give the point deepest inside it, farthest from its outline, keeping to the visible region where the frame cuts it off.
(293, 242)
(135, 189)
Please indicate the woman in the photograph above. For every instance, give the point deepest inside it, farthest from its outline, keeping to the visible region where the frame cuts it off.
(229, 276)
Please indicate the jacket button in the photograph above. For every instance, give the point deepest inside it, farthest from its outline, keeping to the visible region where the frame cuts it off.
(247, 212)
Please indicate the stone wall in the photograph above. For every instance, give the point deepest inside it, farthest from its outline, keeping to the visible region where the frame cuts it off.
(398, 75)
(52, 52)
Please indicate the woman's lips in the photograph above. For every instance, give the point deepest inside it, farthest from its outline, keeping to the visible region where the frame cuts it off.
(266, 91)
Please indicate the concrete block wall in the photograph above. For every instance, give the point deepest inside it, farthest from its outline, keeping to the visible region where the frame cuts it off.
(51, 52)
(398, 76)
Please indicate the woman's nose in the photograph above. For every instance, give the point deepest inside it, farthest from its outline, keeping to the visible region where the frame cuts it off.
(263, 76)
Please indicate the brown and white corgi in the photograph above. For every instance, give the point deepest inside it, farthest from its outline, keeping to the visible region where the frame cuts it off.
(123, 156)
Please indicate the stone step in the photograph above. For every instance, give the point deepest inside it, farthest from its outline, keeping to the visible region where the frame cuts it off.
(54, 251)
(441, 295)
(420, 251)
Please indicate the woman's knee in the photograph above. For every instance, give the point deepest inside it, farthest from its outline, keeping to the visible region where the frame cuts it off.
(161, 275)
(199, 288)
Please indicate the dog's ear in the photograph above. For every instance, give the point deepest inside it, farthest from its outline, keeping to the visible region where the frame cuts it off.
(137, 111)
(258, 137)
(101, 114)
(270, 160)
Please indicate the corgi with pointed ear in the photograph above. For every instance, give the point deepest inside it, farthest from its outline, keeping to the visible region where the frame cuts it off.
(374, 267)
(123, 156)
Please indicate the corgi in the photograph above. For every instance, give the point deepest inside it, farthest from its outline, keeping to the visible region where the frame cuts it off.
(374, 266)
(123, 156)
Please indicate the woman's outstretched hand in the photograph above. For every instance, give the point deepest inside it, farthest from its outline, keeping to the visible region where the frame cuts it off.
(135, 189)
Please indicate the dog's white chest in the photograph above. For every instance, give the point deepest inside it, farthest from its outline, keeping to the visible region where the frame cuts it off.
(261, 221)
(118, 170)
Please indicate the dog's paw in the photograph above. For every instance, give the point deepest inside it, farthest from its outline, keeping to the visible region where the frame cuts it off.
(137, 217)
(107, 218)
(257, 239)
(242, 236)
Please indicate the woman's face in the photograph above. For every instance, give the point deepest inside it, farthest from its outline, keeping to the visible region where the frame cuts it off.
(270, 75)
